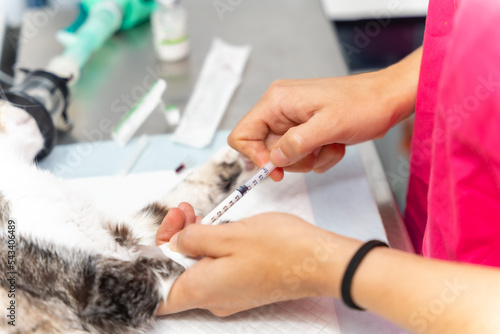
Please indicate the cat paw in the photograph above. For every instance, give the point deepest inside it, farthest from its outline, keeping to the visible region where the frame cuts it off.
(230, 168)
(20, 131)
(210, 183)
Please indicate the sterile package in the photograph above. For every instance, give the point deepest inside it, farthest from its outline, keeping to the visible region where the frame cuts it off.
(218, 80)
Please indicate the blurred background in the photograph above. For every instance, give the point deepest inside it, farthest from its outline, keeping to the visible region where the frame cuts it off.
(375, 34)
(372, 33)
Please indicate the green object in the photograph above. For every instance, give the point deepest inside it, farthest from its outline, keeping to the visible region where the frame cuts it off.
(134, 11)
(97, 21)
(174, 41)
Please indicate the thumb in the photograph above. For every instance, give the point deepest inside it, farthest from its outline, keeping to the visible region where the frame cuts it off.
(172, 223)
(201, 240)
(301, 140)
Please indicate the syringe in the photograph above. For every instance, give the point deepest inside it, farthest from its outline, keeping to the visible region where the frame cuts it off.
(215, 214)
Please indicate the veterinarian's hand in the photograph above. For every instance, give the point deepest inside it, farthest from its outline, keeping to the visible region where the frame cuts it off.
(256, 261)
(304, 125)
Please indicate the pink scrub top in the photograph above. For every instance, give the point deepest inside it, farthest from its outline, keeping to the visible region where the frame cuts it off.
(453, 204)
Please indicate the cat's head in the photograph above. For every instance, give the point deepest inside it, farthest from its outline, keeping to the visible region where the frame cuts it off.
(19, 131)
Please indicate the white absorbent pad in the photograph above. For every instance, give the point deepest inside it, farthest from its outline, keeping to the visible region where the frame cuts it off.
(121, 196)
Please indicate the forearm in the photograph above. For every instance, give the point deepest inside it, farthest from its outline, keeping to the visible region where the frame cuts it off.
(425, 295)
(400, 85)
(274, 256)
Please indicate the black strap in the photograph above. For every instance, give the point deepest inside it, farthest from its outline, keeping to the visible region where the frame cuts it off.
(351, 269)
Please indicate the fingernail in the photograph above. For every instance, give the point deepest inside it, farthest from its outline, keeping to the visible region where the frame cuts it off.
(278, 158)
(173, 242)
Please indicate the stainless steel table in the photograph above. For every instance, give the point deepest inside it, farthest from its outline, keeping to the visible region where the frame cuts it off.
(289, 39)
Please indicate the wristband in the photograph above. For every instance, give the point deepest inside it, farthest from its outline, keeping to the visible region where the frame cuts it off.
(351, 269)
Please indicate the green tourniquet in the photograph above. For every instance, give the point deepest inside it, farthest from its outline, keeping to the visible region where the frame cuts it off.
(95, 25)
(135, 11)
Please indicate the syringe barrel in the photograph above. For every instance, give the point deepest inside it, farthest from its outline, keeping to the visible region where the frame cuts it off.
(222, 208)
(215, 214)
(261, 175)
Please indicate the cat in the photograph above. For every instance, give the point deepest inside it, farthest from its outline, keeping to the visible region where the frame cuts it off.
(76, 269)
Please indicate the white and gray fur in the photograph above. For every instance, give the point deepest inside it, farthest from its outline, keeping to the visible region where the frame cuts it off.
(78, 269)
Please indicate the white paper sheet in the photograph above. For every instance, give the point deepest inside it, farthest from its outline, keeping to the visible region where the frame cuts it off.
(123, 195)
(309, 316)
(219, 78)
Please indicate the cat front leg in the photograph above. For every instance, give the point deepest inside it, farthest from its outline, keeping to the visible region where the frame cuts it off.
(212, 182)
(123, 296)
(204, 189)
